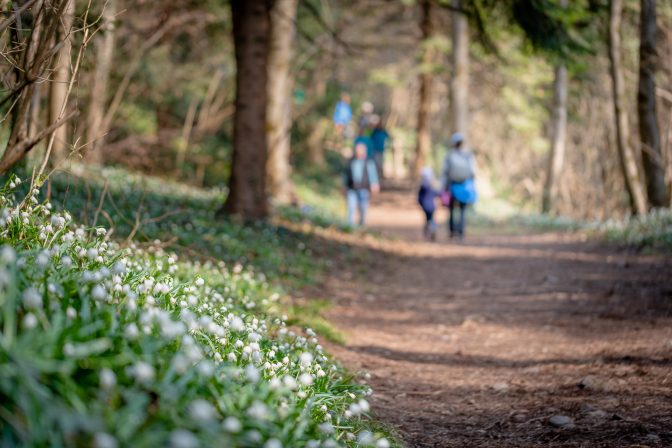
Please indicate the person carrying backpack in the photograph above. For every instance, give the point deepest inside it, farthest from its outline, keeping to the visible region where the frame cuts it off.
(360, 179)
(457, 178)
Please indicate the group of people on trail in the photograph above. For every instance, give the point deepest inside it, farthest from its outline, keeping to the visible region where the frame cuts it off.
(364, 170)
(458, 189)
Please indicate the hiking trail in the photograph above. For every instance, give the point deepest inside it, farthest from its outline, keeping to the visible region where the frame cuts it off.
(489, 342)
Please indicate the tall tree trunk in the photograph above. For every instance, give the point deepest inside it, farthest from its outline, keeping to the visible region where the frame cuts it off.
(247, 185)
(459, 83)
(424, 138)
(279, 107)
(104, 46)
(649, 133)
(60, 79)
(558, 136)
(626, 155)
(556, 158)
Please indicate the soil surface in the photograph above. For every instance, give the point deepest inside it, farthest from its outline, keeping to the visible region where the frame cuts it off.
(480, 343)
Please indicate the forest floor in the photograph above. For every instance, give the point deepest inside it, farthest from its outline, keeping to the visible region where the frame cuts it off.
(481, 343)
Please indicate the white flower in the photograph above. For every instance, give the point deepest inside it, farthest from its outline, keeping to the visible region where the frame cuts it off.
(98, 293)
(29, 321)
(258, 410)
(252, 374)
(200, 281)
(66, 261)
(364, 405)
(306, 359)
(382, 443)
(273, 443)
(202, 411)
(8, 254)
(101, 231)
(290, 382)
(232, 424)
(107, 379)
(366, 438)
(143, 372)
(32, 298)
(131, 331)
(237, 324)
(181, 438)
(104, 440)
(231, 357)
(306, 379)
(92, 253)
(355, 409)
(71, 312)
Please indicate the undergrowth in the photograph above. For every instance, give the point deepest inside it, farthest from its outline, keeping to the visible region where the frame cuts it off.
(111, 344)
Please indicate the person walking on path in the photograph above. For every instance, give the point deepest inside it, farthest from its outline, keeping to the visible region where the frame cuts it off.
(360, 179)
(342, 115)
(427, 195)
(457, 178)
(379, 138)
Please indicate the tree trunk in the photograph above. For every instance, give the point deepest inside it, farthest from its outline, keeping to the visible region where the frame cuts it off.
(424, 142)
(104, 46)
(60, 79)
(279, 107)
(558, 137)
(649, 133)
(247, 185)
(626, 155)
(32, 54)
(459, 83)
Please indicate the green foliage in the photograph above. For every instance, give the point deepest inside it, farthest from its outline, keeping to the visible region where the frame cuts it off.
(108, 346)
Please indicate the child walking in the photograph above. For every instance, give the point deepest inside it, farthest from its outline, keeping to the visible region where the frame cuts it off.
(427, 199)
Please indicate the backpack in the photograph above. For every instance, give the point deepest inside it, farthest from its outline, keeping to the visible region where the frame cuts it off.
(459, 168)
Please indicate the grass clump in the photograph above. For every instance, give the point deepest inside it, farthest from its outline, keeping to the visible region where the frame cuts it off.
(103, 345)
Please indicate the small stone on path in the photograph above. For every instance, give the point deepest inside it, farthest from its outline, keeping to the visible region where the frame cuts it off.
(560, 421)
(500, 387)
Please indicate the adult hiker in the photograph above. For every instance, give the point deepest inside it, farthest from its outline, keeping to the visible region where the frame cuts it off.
(360, 179)
(342, 114)
(379, 138)
(457, 178)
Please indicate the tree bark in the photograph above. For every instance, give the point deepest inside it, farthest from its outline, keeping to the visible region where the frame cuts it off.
(60, 79)
(104, 46)
(247, 185)
(279, 107)
(459, 83)
(627, 158)
(558, 136)
(649, 133)
(424, 138)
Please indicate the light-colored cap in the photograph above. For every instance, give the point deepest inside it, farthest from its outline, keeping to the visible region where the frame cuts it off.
(456, 138)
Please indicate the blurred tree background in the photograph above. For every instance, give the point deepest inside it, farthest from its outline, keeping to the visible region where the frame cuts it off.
(151, 86)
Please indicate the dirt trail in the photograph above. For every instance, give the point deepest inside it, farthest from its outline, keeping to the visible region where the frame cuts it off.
(479, 343)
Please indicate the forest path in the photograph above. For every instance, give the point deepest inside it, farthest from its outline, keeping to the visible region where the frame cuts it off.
(479, 343)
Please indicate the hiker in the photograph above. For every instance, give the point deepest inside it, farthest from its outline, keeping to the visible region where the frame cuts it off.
(364, 121)
(342, 114)
(379, 138)
(360, 179)
(457, 179)
(365, 139)
(427, 195)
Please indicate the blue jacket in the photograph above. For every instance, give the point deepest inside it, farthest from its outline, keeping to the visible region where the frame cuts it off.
(343, 113)
(426, 197)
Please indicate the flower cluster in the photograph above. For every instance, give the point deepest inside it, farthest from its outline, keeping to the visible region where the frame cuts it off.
(111, 346)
